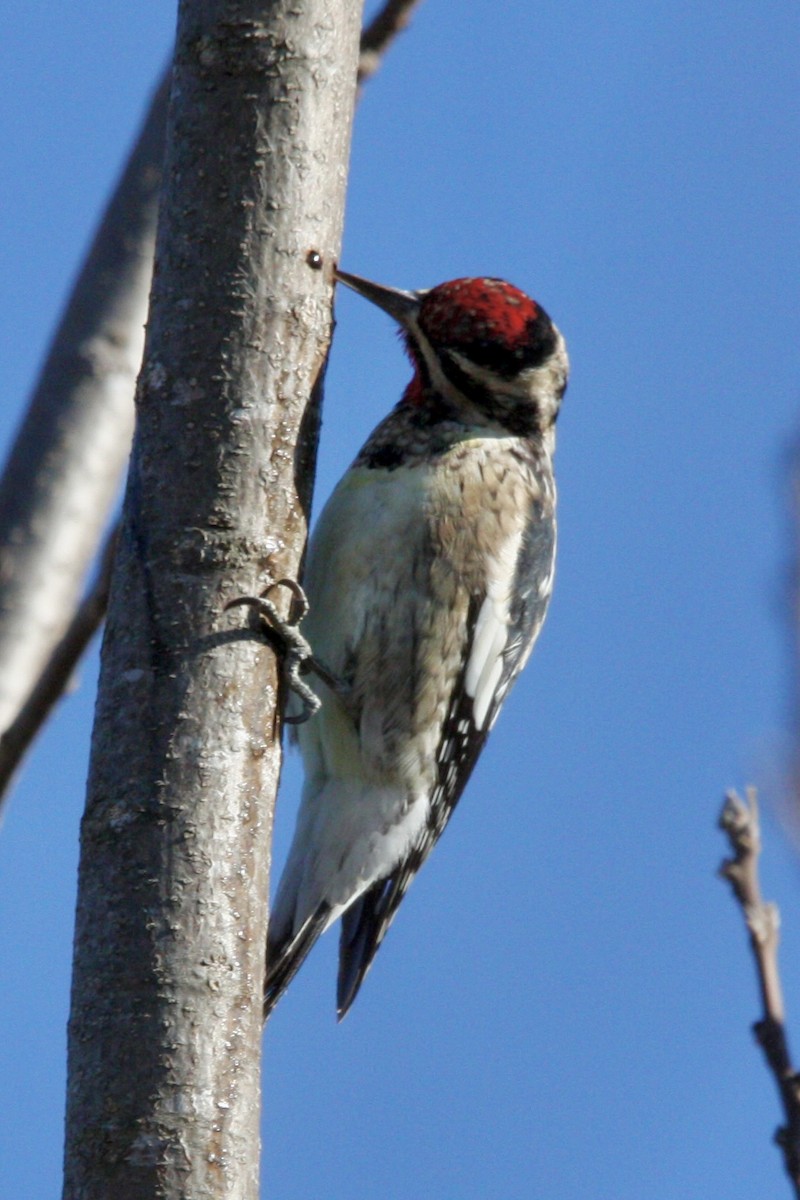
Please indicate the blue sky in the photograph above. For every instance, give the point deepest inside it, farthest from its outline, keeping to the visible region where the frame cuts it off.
(562, 1007)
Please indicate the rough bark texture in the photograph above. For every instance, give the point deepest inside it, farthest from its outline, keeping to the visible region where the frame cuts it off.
(164, 1071)
(65, 465)
(63, 471)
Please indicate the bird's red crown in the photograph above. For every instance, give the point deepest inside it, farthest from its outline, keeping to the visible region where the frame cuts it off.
(488, 321)
(465, 311)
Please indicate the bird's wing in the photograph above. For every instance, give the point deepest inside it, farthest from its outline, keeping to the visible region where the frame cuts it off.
(498, 642)
(366, 922)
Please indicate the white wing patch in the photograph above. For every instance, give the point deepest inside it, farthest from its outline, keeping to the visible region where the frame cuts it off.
(490, 637)
(485, 663)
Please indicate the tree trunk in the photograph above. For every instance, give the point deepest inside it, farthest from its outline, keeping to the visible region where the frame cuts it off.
(164, 1064)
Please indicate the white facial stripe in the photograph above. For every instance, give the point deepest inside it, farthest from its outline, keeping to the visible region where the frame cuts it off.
(540, 386)
(438, 377)
(482, 375)
(530, 382)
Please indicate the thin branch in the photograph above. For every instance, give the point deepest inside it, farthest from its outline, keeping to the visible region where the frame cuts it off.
(739, 821)
(62, 475)
(57, 673)
(376, 38)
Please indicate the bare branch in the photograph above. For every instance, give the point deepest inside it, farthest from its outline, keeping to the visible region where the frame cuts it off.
(739, 820)
(376, 38)
(56, 675)
(63, 472)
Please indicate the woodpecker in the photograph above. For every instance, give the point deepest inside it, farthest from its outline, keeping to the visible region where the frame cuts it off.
(428, 578)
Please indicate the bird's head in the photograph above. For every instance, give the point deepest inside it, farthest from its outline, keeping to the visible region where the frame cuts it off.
(481, 344)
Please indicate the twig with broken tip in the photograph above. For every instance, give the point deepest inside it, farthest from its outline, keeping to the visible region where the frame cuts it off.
(739, 821)
(376, 38)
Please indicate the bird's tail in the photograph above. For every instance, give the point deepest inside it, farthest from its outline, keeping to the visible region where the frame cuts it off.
(285, 958)
(364, 926)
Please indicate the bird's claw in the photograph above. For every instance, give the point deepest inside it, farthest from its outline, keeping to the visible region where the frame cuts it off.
(285, 637)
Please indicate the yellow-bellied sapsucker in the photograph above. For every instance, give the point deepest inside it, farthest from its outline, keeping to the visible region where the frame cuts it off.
(428, 578)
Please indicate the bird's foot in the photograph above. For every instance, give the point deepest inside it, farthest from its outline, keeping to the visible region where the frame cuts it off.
(284, 635)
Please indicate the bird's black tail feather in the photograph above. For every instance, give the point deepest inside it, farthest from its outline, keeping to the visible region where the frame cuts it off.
(285, 959)
(364, 926)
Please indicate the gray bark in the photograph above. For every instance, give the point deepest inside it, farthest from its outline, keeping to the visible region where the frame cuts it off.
(63, 471)
(164, 1066)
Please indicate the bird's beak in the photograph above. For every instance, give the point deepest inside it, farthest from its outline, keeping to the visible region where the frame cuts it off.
(403, 306)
